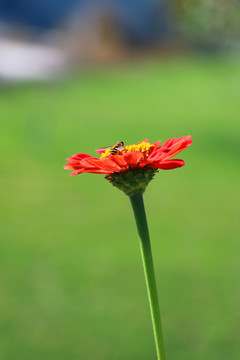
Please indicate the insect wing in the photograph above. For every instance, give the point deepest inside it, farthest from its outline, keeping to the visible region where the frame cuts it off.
(103, 149)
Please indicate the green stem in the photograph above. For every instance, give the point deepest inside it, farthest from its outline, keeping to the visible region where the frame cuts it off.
(145, 246)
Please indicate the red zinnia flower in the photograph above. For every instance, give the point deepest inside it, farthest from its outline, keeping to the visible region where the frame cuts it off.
(145, 158)
(142, 155)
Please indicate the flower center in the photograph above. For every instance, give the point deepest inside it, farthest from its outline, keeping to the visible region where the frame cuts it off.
(144, 147)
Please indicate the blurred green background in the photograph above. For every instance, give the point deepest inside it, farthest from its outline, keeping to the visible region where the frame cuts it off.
(71, 278)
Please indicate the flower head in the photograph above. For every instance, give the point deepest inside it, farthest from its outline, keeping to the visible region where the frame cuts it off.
(131, 167)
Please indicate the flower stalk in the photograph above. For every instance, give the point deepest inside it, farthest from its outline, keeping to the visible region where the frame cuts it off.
(130, 168)
(145, 246)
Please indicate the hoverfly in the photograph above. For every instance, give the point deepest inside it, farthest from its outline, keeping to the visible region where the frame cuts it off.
(114, 148)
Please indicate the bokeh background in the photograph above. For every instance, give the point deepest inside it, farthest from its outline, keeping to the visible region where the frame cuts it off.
(75, 76)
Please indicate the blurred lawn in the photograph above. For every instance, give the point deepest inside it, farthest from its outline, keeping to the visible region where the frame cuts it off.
(71, 279)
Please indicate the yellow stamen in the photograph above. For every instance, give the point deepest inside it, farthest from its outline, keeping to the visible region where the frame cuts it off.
(144, 147)
(105, 154)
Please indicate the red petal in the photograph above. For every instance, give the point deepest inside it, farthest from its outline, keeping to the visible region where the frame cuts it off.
(119, 159)
(97, 171)
(170, 142)
(176, 148)
(78, 157)
(155, 155)
(146, 162)
(90, 163)
(73, 166)
(156, 143)
(76, 172)
(133, 158)
(101, 151)
(108, 164)
(168, 164)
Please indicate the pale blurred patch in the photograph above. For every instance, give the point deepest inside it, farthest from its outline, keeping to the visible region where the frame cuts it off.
(22, 61)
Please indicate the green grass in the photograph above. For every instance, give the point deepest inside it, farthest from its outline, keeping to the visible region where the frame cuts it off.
(71, 279)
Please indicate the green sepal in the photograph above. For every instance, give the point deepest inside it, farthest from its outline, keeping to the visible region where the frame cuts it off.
(133, 181)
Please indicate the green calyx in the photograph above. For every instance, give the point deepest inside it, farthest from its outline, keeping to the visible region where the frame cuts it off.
(133, 181)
